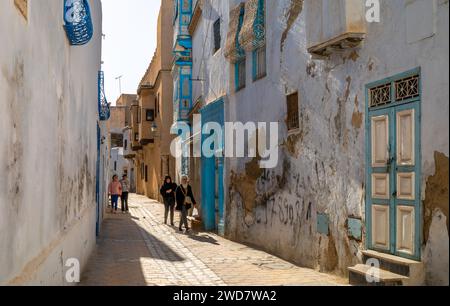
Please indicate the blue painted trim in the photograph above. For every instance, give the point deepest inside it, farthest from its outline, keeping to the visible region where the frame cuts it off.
(80, 31)
(183, 59)
(213, 112)
(237, 86)
(392, 110)
(103, 105)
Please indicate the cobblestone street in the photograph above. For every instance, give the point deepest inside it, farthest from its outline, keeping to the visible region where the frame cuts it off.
(138, 249)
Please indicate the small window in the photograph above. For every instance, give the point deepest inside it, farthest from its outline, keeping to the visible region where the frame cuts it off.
(150, 115)
(217, 36)
(146, 173)
(259, 63)
(186, 8)
(240, 74)
(292, 111)
(157, 106)
(22, 5)
(115, 166)
(136, 137)
(125, 144)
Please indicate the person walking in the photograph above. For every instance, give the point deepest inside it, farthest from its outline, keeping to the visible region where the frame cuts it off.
(115, 191)
(168, 193)
(185, 200)
(125, 192)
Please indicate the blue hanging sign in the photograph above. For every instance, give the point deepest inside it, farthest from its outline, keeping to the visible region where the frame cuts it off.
(78, 22)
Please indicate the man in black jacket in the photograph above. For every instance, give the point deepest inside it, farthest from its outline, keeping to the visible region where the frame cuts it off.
(168, 193)
(185, 200)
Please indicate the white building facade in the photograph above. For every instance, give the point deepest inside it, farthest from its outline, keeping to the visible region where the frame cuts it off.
(49, 116)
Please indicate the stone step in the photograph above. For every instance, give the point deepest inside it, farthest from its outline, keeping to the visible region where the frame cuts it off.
(358, 273)
(414, 271)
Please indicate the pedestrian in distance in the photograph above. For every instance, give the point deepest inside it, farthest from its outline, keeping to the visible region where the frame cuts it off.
(185, 201)
(115, 191)
(125, 193)
(168, 194)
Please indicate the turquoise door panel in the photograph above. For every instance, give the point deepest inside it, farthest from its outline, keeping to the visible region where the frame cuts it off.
(394, 209)
(212, 173)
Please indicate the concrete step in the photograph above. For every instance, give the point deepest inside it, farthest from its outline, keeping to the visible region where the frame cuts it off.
(358, 276)
(412, 272)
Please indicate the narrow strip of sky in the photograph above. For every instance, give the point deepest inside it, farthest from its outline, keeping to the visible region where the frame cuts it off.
(129, 29)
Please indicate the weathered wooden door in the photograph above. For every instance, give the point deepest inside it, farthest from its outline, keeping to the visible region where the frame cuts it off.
(393, 166)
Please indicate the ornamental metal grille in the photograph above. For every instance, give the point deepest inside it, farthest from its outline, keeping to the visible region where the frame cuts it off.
(407, 88)
(103, 106)
(78, 22)
(253, 33)
(293, 112)
(380, 95)
(233, 50)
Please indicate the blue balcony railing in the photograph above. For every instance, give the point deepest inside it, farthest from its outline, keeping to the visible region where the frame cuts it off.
(103, 105)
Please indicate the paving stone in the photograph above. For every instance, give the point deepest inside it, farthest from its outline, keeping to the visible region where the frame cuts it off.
(138, 249)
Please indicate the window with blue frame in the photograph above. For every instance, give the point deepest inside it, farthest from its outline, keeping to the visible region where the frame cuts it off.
(259, 63)
(186, 8)
(241, 64)
(259, 54)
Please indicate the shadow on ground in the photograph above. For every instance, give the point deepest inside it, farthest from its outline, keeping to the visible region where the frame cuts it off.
(121, 247)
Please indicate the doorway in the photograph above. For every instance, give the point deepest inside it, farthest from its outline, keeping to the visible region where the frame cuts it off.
(393, 126)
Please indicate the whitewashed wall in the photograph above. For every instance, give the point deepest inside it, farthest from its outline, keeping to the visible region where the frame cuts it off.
(48, 147)
(118, 160)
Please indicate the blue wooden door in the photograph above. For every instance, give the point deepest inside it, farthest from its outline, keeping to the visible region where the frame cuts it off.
(212, 172)
(393, 165)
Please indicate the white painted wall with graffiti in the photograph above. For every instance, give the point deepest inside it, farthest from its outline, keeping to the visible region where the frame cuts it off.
(48, 147)
(301, 210)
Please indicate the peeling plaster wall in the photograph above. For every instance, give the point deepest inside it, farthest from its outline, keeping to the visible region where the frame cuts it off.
(322, 168)
(210, 70)
(48, 147)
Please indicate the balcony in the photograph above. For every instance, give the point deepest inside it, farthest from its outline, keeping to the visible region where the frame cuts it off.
(134, 131)
(128, 152)
(146, 115)
(335, 26)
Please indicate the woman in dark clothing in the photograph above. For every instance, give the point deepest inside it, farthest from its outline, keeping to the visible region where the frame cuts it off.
(185, 200)
(168, 193)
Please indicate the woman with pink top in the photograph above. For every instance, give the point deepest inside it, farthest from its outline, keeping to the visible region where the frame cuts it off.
(115, 191)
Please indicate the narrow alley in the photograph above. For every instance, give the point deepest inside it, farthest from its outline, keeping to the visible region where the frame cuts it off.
(138, 249)
(307, 139)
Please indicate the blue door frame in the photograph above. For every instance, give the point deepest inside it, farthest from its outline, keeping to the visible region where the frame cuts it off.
(391, 110)
(212, 170)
